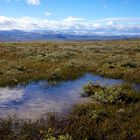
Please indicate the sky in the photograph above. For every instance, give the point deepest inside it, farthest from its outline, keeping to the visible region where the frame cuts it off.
(102, 16)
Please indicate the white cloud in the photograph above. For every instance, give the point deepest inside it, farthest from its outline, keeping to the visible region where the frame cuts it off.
(113, 26)
(30, 2)
(33, 2)
(111, 23)
(48, 13)
(73, 19)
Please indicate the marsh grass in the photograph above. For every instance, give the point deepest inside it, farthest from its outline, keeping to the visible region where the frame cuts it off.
(23, 62)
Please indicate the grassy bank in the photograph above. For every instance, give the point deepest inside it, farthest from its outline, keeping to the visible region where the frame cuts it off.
(115, 119)
(23, 62)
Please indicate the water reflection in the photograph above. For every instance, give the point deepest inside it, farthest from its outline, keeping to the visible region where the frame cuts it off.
(37, 97)
(8, 95)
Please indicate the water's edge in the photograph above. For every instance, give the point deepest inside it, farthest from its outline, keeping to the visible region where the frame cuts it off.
(35, 98)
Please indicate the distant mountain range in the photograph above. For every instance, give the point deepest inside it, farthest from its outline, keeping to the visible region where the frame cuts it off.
(19, 35)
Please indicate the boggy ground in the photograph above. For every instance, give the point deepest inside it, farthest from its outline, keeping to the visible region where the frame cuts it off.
(26, 61)
(113, 113)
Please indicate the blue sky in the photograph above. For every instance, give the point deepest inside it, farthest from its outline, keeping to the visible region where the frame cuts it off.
(96, 15)
(60, 9)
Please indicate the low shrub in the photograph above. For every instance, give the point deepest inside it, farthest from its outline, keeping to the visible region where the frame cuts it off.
(90, 89)
(112, 95)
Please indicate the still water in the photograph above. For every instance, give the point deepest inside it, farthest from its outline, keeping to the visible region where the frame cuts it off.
(36, 98)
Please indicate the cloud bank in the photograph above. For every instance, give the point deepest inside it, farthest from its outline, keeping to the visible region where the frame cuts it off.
(116, 26)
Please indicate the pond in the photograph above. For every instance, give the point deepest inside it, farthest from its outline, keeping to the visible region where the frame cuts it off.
(36, 98)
